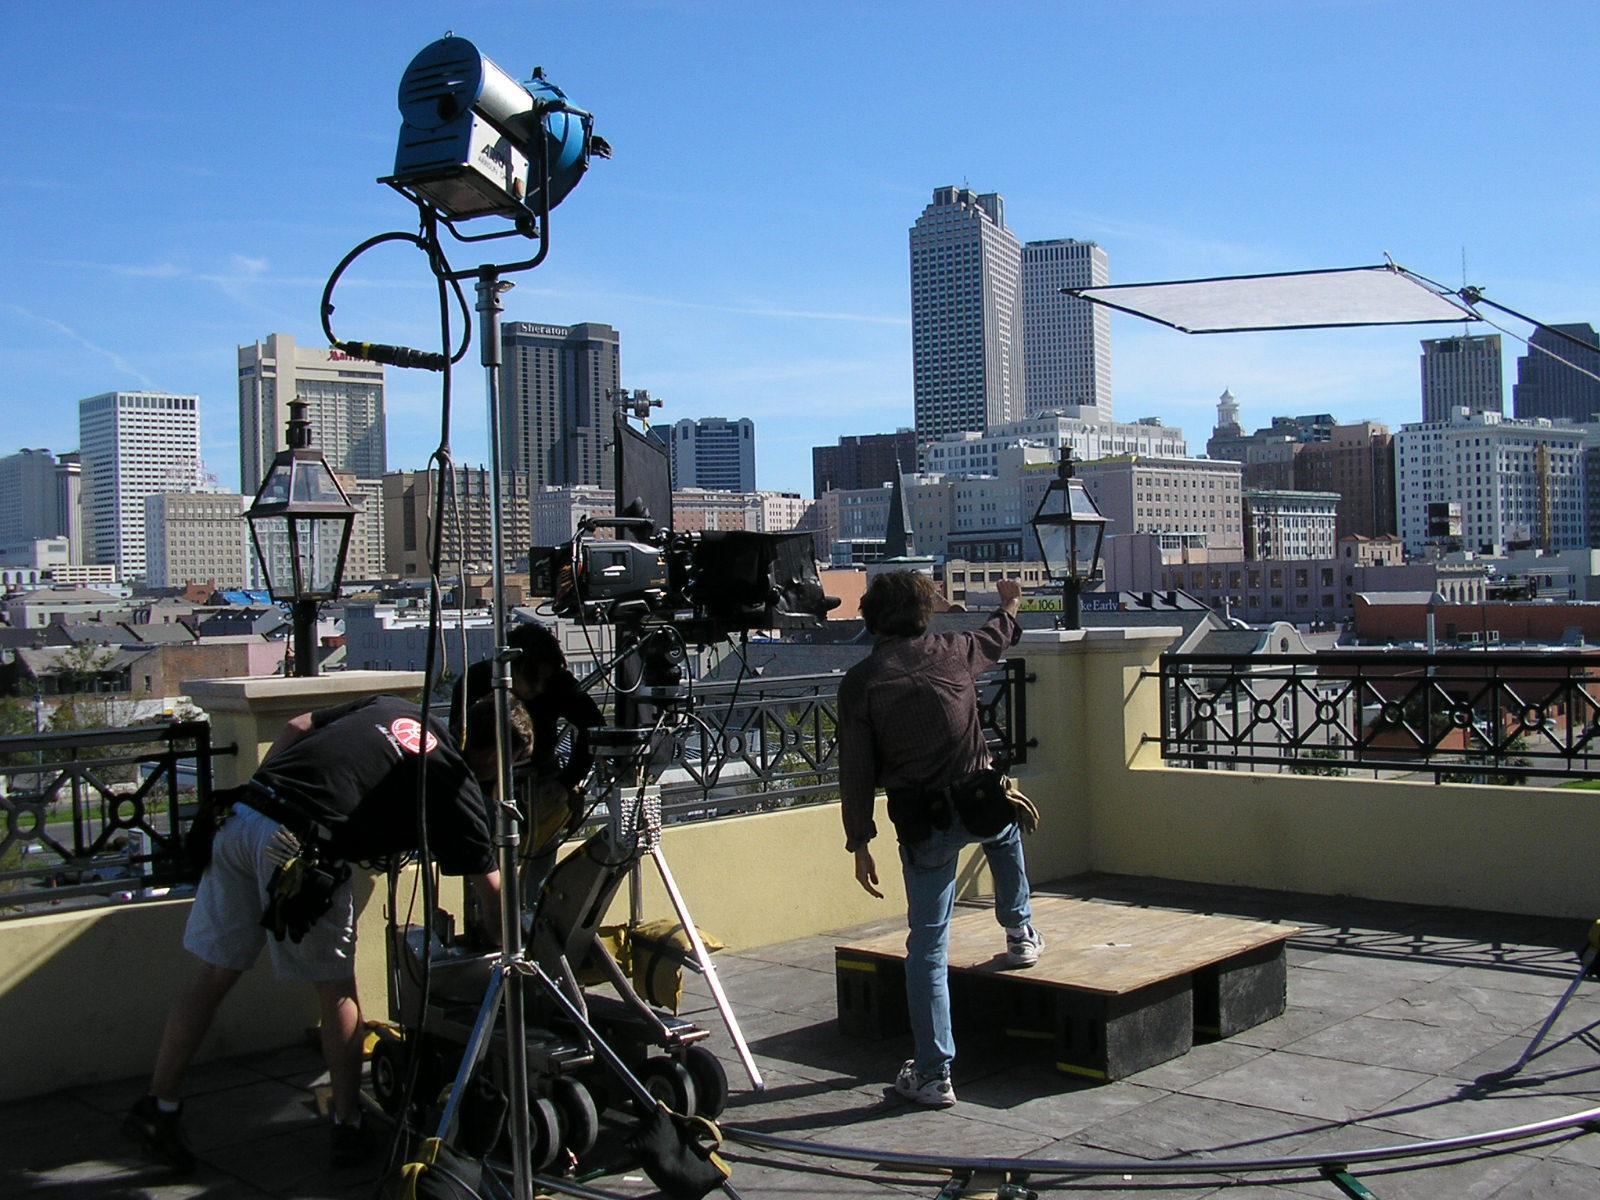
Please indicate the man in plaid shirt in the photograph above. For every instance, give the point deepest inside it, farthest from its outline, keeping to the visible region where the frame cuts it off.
(908, 722)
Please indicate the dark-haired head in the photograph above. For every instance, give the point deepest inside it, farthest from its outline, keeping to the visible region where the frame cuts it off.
(899, 603)
(478, 744)
(539, 658)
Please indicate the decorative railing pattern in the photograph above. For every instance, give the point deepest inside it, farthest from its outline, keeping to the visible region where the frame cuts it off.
(1464, 716)
(98, 812)
(765, 743)
(105, 812)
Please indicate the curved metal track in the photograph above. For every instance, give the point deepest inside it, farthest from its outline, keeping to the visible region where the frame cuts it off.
(1169, 1166)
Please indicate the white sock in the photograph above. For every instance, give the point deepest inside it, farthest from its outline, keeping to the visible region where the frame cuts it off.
(168, 1106)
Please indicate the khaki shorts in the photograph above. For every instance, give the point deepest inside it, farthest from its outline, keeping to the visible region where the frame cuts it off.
(225, 923)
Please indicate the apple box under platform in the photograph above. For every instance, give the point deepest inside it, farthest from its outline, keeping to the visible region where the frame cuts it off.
(1116, 990)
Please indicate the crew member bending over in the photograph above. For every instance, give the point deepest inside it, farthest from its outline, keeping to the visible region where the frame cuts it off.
(338, 786)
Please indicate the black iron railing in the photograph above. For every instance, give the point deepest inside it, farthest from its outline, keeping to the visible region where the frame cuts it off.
(767, 743)
(1462, 716)
(98, 812)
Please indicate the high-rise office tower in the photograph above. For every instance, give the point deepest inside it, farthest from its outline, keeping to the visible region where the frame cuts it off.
(345, 398)
(69, 503)
(365, 559)
(555, 401)
(966, 318)
(133, 445)
(711, 452)
(29, 509)
(862, 461)
(1357, 462)
(1461, 372)
(410, 501)
(1548, 387)
(196, 537)
(1066, 341)
(1515, 483)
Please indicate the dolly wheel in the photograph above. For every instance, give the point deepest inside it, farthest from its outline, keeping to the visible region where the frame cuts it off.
(388, 1073)
(710, 1081)
(544, 1133)
(669, 1081)
(580, 1119)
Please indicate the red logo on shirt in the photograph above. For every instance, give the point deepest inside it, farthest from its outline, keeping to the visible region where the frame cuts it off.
(408, 732)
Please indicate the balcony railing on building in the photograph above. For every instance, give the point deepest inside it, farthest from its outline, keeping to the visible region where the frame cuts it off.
(99, 814)
(764, 743)
(1461, 716)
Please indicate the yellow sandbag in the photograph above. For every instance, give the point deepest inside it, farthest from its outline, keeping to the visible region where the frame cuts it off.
(658, 950)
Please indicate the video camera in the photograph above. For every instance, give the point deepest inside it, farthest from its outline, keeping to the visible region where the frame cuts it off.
(708, 584)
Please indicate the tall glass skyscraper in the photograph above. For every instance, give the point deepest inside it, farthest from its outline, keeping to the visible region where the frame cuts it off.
(1547, 386)
(966, 315)
(711, 452)
(345, 406)
(555, 401)
(1461, 372)
(133, 445)
(1067, 341)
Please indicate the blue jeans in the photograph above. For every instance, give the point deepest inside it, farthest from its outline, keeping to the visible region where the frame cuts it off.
(930, 874)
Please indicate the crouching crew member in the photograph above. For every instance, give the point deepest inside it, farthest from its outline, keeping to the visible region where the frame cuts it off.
(547, 691)
(338, 786)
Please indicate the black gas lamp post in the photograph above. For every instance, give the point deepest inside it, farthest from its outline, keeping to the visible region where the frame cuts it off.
(300, 523)
(1070, 530)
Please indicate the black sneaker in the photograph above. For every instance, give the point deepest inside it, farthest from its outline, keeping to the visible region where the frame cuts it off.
(159, 1133)
(349, 1144)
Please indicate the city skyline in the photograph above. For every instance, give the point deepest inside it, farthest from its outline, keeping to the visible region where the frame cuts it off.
(770, 279)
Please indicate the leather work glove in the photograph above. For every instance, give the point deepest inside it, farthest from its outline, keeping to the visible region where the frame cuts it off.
(1027, 812)
(298, 893)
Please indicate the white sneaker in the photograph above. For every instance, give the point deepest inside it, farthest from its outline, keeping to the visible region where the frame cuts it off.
(929, 1091)
(1023, 946)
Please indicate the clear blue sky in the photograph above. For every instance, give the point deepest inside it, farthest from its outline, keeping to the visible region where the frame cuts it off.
(178, 178)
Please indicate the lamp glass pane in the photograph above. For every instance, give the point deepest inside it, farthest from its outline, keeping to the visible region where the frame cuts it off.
(272, 549)
(314, 483)
(1053, 544)
(317, 548)
(275, 487)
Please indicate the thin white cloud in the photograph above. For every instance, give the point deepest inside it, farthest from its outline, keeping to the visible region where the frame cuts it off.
(66, 331)
(1161, 241)
(746, 310)
(761, 374)
(243, 268)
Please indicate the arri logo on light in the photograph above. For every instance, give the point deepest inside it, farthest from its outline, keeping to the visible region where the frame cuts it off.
(408, 732)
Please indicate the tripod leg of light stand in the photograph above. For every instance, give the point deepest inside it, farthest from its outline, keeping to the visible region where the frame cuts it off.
(479, 1038)
(489, 289)
(1584, 965)
(629, 994)
(709, 969)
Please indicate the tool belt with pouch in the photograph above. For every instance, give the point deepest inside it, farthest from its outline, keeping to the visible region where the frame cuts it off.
(305, 873)
(985, 802)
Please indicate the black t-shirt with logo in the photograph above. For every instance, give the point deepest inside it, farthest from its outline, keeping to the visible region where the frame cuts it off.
(356, 773)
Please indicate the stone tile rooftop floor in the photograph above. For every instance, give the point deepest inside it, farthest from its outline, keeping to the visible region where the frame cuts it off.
(1395, 1012)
